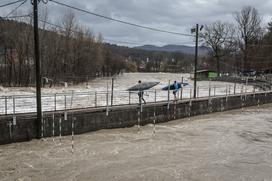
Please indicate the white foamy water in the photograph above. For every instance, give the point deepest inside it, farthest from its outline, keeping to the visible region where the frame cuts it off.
(233, 145)
(95, 94)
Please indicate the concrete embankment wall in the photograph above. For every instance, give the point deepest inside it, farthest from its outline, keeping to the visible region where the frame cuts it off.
(23, 127)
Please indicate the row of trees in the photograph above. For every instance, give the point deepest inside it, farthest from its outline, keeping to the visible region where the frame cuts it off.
(70, 52)
(241, 47)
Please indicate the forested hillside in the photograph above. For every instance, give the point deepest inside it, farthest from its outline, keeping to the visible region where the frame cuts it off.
(74, 53)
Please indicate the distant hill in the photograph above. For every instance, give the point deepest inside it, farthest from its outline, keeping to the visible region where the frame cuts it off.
(202, 50)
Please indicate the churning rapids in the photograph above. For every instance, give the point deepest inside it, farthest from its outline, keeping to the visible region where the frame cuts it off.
(233, 145)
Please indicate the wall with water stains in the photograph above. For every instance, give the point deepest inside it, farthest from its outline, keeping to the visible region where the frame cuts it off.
(22, 127)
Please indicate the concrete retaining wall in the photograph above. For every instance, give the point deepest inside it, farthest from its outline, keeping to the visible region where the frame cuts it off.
(86, 120)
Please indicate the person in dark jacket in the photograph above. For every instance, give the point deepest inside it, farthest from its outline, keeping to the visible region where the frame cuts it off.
(141, 94)
(176, 88)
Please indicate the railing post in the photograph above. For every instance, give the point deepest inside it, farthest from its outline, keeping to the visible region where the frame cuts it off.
(42, 127)
(209, 88)
(112, 85)
(155, 96)
(181, 88)
(55, 101)
(6, 105)
(13, 103)
(246, 85)
(214, 91)
(65, 106)
(168, 96)
(95, 99)
(72, 98)
(14, 111)
(197, 92)
(129, 97)
(229, 89)
(53, 126)
(107, 100)
(60, 129)
(234, 88)
(73, 129)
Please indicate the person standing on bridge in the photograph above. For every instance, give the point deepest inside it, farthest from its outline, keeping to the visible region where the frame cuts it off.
(141, 94)
(176, 88)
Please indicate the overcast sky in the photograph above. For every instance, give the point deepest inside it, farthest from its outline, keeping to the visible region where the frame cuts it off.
(173, 15)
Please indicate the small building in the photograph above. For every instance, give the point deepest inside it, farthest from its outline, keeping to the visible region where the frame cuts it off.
(205, 74)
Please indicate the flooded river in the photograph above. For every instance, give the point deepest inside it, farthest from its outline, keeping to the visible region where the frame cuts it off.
(233, 145)
(94, 93)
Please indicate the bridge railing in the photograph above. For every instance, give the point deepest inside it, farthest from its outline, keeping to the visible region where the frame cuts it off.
(77, 100)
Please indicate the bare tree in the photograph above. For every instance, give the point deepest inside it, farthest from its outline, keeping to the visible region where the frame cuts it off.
(220, 37)
(249, 27)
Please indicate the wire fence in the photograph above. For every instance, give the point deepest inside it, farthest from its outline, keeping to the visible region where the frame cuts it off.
(94, 99)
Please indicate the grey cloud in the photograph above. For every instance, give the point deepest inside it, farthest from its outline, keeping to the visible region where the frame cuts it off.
(173, 15)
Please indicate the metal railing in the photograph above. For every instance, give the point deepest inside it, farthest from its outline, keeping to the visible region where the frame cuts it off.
(76, 100)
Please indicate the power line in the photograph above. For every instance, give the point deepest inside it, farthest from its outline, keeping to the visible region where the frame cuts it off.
(60, 27)
(124, 42)
(14, 2)
(107, 39)
(121, 21)
(19, 16)
(16, 8)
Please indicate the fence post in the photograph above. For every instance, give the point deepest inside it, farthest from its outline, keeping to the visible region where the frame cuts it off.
(197, 92)
(234, 88)
(214, 91)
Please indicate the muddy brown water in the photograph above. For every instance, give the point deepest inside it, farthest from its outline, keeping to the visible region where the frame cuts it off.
(233, 145)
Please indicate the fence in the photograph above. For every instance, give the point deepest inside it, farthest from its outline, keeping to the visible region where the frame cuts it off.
(76, 100)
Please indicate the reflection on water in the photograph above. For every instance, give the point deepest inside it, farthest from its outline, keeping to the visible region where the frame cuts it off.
(234, 145)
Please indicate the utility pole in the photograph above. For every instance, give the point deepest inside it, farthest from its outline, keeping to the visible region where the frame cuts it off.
(38, 67)
(196, 55)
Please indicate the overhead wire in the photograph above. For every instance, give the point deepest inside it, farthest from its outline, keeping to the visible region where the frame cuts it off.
(12, 11)
(121, 21)
(107, 39)
(8, 4)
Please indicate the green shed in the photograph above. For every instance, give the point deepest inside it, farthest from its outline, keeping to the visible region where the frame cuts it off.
(206, 74)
